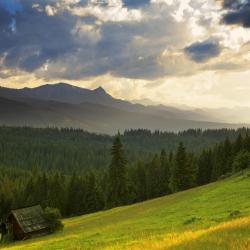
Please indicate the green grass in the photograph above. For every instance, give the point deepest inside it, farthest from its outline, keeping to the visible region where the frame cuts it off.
(194, 219)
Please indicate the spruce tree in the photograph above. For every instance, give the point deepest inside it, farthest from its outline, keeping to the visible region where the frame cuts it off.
(238, 145)
(93, 197)
(29, 193)
(154, 185)
(117, 190)
(164, 173)
(74, 203)
(41, 190)
(246, 143)
(227, 166)
(140, 182)
(205, 167)
(56, 192)
(218, 160)
(182, 172)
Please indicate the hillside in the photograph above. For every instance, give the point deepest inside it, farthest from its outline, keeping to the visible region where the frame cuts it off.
(216, 216)
(75, 150)
(64, 105)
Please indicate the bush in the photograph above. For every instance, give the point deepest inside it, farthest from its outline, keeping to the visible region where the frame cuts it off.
(7, 238)
(53, 217)
(241, 161)
(191, 220)
(234, 213)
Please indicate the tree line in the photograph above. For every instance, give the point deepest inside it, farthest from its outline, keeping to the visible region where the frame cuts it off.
(69, 150)
(122, 182)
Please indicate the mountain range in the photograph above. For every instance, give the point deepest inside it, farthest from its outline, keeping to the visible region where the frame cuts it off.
(65, 105)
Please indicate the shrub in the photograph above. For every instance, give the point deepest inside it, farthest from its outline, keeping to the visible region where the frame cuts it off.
(53, 217)
(191, 220)
(7, 238)
(235, 213)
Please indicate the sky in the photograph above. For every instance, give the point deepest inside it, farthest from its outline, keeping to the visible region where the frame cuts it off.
(192, 53)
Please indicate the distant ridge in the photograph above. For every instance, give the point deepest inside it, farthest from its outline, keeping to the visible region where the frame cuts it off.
(67, 93)
(65, 105)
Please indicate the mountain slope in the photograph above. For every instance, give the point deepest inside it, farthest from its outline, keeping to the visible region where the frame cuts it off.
(66, 93)
(216, 216)
(64, 105)
(91, 117)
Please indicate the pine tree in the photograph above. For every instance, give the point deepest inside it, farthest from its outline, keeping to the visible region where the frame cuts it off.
(246, 143)
(117, 190)
(228, 157)
(170, 157)
(56, 196)
(141, 182)
(182, 172)
(74, 196)
(205, 167)
(154, 185)
(93, 198)
(238, 145)
(164, 173)
(37, 189)
(29, 193)
(218, 161)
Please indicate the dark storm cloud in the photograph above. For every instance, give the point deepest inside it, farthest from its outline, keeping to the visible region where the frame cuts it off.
(238, 12)
(77, 46)
(127, 49)
(135, 3)
(117, 54)
(5, 20)
(35, 38)
(203, 51)
(12, 6)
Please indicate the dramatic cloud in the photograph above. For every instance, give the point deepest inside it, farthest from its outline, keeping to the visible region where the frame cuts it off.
(35, 38)
(80, 39)
(77, 39)
(203, 51)
(126, 45)
(135, 3)
(238, 12)
(105, 11)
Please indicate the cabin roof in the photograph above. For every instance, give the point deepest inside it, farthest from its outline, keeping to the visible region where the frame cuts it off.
(30, 219)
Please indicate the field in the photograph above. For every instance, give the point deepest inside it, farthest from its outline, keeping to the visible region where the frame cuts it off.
(216, 216)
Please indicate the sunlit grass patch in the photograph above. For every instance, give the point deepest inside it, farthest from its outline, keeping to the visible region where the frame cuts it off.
(199, 239)
(212, 217)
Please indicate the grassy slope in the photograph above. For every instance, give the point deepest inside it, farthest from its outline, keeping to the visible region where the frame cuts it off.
(163, 223)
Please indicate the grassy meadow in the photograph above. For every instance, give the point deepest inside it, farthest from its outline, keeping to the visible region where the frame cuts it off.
(215, 216)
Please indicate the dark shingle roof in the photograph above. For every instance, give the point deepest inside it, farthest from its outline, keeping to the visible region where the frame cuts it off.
(30, 219)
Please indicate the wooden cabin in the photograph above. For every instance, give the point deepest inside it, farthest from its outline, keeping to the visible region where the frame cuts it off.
(27, 222)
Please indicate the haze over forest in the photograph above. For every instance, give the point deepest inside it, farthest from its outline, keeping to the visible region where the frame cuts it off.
(63, 105)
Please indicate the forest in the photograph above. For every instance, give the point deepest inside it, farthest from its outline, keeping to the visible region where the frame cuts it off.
(69, 150)
(79, 172)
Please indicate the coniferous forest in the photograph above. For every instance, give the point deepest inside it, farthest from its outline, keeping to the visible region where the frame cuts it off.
(79, 172)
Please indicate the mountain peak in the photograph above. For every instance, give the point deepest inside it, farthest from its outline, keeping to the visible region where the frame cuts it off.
(62, 84)
(100, 90)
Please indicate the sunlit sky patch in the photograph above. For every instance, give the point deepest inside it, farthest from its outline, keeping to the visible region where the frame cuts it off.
(176, 52)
